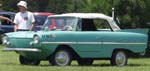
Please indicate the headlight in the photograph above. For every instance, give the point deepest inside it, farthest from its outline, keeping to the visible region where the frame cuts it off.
(5, 39)
(36, 39)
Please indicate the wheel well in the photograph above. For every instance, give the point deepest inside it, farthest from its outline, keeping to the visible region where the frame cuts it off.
(127, 52)
(68, 48)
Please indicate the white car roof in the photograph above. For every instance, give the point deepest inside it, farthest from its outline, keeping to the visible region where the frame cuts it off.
(91, 16)
(84, 15)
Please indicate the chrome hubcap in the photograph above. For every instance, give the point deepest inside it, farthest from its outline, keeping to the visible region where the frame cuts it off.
(120, 58)
(62, 58)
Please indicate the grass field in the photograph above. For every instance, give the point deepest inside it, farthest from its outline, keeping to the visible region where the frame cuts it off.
(9, 62)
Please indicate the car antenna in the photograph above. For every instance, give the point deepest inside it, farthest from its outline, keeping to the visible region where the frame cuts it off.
(113, 10)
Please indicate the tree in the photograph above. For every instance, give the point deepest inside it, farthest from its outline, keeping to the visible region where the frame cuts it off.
(57, 6)
(41, 5)
(11, 5)
(132, 13)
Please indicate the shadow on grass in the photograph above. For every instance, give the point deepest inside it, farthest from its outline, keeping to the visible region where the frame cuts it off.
(9, 64)
(102, 65)
(109, 65)
(136, 65)
(93, 65)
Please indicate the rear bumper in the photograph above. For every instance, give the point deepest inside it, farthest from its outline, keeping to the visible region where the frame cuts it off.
(22, 49)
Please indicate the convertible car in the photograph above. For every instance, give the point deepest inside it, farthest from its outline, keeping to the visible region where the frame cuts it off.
(84, 37)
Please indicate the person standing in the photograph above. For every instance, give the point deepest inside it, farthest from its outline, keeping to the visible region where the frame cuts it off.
(24, 20)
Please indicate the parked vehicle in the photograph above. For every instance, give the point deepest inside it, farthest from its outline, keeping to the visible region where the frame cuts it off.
(6, 26)
(40, 18)
(84, 37)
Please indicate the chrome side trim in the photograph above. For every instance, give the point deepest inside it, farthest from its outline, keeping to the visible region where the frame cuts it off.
(22, 49)
(91, 43)
(59, 43)
(118, 43)
(70, 42)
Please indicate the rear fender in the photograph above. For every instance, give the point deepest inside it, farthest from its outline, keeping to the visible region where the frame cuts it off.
(143, 31)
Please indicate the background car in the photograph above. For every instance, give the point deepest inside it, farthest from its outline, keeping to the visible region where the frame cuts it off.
(6, 26)
(40, 18)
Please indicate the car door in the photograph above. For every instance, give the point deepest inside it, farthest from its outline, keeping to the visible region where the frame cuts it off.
(88, 44)
(87, 41)
(89, 38)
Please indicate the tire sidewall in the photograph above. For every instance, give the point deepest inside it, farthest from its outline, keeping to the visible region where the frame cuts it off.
(113, 58)
(25, 61)
(53, 58)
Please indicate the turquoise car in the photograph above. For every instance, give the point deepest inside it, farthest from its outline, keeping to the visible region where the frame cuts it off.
(84, 37)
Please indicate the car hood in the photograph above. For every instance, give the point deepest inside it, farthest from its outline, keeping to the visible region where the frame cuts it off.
(21, 34)
(27, 34)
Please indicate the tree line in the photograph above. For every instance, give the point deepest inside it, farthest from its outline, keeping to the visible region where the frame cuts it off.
(132, 13)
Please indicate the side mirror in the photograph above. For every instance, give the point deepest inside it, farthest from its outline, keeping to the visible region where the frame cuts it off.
(46, 29)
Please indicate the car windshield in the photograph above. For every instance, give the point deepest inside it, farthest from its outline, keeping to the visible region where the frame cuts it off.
(60, 23)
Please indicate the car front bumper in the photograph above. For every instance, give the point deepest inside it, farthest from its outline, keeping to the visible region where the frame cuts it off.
(22, 49)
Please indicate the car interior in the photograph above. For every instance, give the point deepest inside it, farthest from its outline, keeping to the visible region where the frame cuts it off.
(95, 25)
(88, 25)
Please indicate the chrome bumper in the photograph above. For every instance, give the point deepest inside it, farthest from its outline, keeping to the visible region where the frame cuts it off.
(22, 49)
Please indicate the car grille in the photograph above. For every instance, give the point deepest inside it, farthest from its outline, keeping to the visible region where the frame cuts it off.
(20, 42)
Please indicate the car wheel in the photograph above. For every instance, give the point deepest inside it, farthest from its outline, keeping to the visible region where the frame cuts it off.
(61, 57)
(119, 58)
(25, 61)
(85, 62)
(0, 38)
(1, 33)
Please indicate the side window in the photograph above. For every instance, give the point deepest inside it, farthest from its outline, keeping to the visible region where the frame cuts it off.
(88, 25)
(94, 25)
(5, 22)
(102, 25)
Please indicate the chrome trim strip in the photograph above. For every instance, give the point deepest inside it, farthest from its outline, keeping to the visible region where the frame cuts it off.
(109, 43)
(88, 43)
(59, 43)
(22, 49)
(70, 42)
(118, 43)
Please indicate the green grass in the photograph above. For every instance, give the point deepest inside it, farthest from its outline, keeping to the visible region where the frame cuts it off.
(9, 62)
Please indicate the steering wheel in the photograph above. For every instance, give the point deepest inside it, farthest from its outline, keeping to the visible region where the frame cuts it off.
(67, 28)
